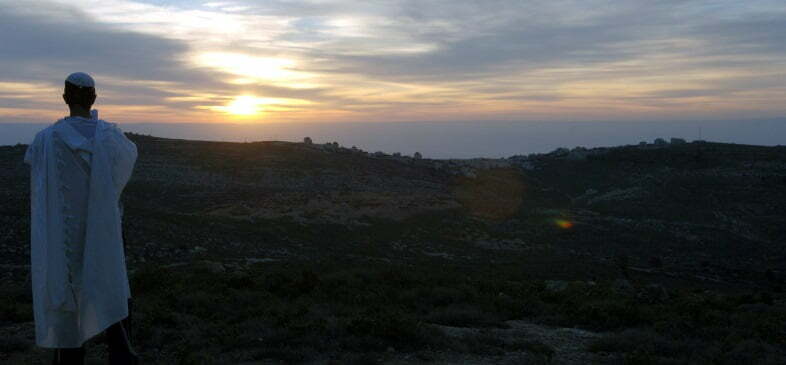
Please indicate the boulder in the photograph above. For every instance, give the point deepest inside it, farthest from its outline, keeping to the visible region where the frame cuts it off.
(555, 286)
(653, 293)
(622, 286)
(212, 267)
(468, 172)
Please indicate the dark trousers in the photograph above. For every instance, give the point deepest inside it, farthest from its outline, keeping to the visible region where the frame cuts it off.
(118, 340)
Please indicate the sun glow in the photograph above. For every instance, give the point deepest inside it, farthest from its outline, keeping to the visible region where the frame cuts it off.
(252, 69)
(249, 66)
(244, 105)
(249, 105)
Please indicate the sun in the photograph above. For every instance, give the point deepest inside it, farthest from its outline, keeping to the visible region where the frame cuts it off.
(244, 105)
(249, 105)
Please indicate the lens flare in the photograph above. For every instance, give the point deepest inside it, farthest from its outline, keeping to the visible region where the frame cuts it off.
(564, 224)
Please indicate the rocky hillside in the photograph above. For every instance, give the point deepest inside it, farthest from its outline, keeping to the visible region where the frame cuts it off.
(536, 237)
(707, 212)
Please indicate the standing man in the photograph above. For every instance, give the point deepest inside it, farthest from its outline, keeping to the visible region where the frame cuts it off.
(79, 167)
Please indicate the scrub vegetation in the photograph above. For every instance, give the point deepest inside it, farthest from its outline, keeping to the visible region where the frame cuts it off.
(258, 253)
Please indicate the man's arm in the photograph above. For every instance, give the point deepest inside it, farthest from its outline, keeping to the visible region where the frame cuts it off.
(32, 149)
(125, 155)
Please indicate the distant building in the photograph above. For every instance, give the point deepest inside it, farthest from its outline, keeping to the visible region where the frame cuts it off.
(677, 141)
(308, 140)
(660, 142)
(417, 156)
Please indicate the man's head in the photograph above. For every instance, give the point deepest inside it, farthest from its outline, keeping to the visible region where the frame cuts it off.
(80, 91)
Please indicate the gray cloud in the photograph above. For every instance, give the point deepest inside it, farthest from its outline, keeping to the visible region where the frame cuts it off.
(475, 38)
(478, 40)
(492, 49)
(46, 44)
(763, 34)
(36, 47)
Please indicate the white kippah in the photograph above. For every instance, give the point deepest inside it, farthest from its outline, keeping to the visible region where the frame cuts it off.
(81, 79)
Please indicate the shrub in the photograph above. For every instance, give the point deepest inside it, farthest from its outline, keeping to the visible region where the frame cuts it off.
(10, 344)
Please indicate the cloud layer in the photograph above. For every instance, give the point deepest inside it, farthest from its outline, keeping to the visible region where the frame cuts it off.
(321, 60)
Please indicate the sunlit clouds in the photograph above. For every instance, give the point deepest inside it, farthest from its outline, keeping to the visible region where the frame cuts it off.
(339, 60)
(253, 70)
(248, 105)
(243, 105)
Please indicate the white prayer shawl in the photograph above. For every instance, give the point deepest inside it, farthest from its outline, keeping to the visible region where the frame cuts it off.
(80, 284)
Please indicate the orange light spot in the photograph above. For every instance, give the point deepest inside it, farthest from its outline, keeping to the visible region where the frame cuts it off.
(564, 224)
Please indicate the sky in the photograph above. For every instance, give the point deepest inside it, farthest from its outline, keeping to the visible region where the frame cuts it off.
(409, 60)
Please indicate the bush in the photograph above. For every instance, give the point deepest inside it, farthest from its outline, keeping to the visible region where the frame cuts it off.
(464, 315)
(12, 344)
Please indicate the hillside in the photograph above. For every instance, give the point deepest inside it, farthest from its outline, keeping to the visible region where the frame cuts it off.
(668, 217)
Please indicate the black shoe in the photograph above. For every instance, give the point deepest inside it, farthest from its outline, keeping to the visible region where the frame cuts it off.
(69, 356)
(120, 350)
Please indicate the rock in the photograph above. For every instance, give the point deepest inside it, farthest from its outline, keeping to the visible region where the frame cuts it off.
(556, 286)
(754, 308)
(469, 173)
(653, 293)
(212, 267)
(622, 286)
(258, 260)
(527, 165)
